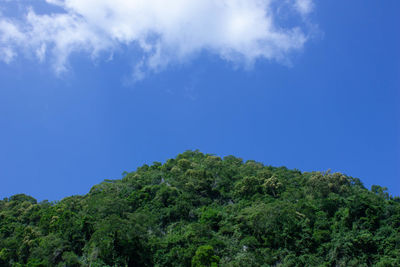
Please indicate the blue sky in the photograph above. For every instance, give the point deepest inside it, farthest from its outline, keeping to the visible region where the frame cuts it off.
(317, 90)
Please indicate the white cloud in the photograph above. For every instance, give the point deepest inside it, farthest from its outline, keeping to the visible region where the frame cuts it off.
(6, 54)
(304, 6)
(165, 31)
(10, 35)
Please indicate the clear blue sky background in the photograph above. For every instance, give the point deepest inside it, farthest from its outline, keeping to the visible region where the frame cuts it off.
(336, 107)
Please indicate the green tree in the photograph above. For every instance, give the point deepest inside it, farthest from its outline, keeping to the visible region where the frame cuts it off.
(205, 257)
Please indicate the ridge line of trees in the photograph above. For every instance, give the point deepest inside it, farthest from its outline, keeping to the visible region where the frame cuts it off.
(202, 210)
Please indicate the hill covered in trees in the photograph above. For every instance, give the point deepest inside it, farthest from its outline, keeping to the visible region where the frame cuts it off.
(201, 210)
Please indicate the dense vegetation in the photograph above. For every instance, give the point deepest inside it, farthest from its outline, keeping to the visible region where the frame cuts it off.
(201, 210)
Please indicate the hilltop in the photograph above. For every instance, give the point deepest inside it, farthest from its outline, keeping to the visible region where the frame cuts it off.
(202, 210)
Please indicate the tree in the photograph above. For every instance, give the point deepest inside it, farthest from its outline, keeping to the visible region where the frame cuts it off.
(205, 257)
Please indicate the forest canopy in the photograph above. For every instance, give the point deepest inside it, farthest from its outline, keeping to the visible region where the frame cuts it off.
(202, 210)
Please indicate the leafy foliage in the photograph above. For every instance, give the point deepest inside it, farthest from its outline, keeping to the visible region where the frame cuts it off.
(201, 210)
